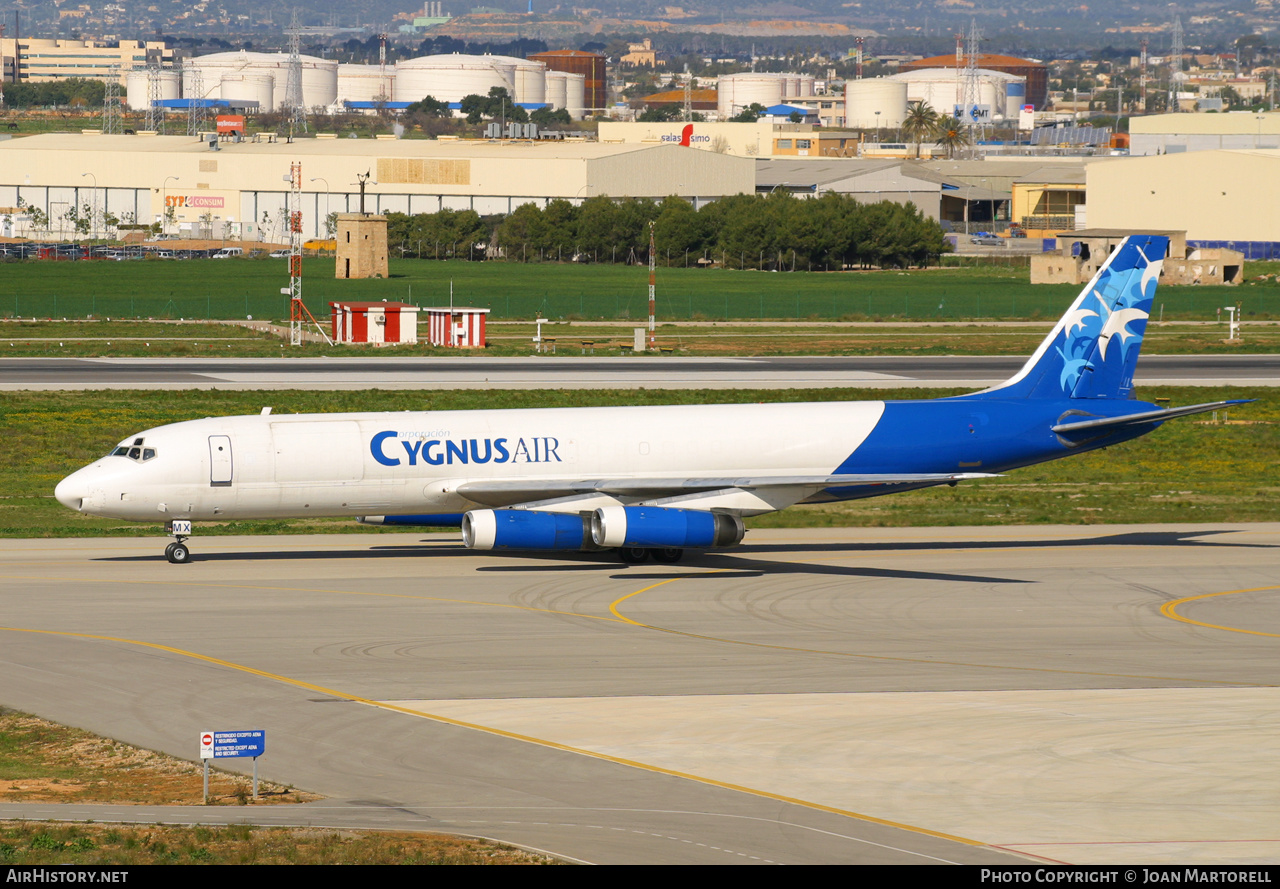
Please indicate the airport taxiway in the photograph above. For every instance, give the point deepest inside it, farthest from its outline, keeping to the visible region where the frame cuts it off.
(1075, 694)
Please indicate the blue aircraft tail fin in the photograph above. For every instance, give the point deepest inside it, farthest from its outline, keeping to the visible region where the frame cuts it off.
(1093, 350)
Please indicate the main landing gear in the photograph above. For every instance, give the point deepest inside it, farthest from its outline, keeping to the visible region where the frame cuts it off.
(177, 552)
(665, 554)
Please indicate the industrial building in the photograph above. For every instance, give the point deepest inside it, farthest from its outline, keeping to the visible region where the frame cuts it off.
(762, 138)
(39, 60)
(1154, 134)
(1220, 198)
(938, 196)
(237, 191)
(1081, 254)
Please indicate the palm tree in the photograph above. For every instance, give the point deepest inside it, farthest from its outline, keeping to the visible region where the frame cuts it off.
(952, 135)
(920, 123)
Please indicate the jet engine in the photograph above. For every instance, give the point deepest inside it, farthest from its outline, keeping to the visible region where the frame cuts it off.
(525, 529)
(653, 526)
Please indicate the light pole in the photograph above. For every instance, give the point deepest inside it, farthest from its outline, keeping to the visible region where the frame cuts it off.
(164, 210)
(93, 217)
(877, 129)
(326, 202)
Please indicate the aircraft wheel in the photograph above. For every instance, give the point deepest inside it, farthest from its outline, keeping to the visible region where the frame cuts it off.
(667, 554)
(633, 554)
(177, 553)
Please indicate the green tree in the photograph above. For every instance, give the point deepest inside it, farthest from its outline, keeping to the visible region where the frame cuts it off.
(429, 107)
(545, 117)
(750, 114)
(951, 135)
(497, 104)
(920, 123)
(661, 113)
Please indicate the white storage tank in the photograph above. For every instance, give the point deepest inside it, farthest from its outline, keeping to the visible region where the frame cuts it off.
(530, 79)
(450, 78)
(575, 87)
(319, 76)
(365, 83)
(258, 88)
(943, 88)
(137, 87)
(864, 98)
(557, 90)
(738, 91)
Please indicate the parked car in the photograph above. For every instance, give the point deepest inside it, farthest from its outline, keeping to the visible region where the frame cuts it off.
(228, 252)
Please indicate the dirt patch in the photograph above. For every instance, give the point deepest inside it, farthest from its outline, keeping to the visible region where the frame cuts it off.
(41, 761)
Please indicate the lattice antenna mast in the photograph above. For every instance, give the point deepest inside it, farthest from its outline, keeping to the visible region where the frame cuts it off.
(971, 89)
(155, 114)
(111, 121)
(1175, 64)
(293, 90)
(959, 68)
(1142, 71)
(298, 313)
(383, 92)
(688, 94)
(857, 70)
(197, 111)
(653, 277)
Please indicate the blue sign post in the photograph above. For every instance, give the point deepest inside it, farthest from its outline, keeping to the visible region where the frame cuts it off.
(216, 745)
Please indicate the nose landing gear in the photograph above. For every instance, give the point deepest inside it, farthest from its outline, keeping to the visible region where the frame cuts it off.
(177, 552)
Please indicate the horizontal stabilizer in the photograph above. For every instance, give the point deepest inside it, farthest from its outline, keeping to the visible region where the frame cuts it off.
(1145, 417)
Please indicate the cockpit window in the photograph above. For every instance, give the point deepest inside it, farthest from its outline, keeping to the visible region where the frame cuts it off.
(134, 452)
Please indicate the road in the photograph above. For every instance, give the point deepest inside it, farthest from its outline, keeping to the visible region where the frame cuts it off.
(1077, 694)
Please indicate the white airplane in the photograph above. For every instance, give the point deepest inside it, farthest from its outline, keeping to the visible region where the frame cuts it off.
(648, 481)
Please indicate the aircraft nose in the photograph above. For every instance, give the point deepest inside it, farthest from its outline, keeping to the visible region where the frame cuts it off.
(71, 491)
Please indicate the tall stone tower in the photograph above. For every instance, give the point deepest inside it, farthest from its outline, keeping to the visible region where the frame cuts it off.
(362, 246)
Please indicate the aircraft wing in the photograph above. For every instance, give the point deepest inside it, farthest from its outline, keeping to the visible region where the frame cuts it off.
(497, 493)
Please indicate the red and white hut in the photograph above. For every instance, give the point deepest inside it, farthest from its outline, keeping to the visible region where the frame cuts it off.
(380, 323)
(457, 327)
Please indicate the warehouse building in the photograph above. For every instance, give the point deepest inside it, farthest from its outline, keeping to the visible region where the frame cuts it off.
(237, 191)
(1177, 133)
(1224, 199)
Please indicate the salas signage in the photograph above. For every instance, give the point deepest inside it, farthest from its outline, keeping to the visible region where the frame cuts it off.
(687, 137)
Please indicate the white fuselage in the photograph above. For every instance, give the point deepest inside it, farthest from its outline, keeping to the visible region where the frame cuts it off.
(283, 466)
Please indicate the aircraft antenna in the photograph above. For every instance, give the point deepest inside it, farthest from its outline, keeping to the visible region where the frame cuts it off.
(298, 312)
